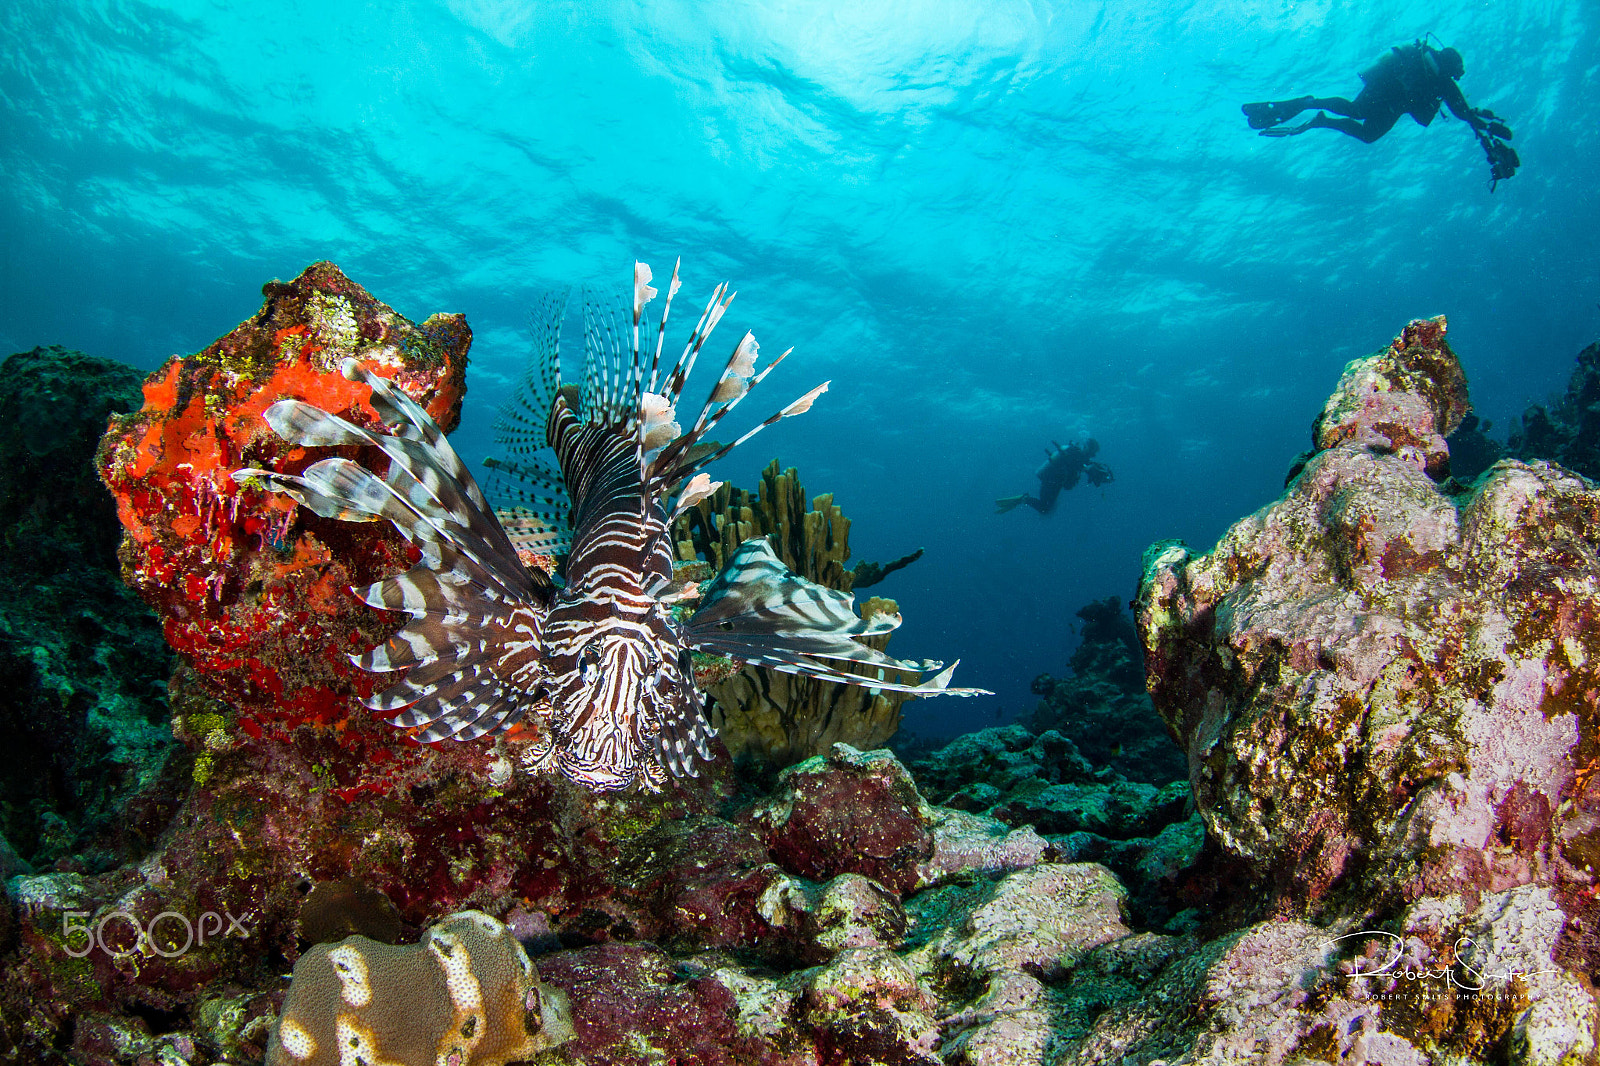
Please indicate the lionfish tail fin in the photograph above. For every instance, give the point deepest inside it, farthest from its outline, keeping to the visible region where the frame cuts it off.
(760, 612)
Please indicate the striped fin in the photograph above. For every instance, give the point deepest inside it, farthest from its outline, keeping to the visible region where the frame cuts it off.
(625, 407)
(441, 500)
(530, 487)
(306, 495)
(471, 657)
(682, 739)
(759, 611)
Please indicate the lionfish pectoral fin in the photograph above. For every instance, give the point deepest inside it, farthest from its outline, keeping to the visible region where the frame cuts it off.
(700, 487)
(308, 496)
(760, 612)
(306, 426)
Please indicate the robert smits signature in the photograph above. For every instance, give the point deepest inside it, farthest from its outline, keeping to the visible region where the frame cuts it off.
(1460, 974)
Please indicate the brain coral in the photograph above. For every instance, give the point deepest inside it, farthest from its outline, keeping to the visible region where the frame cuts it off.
(465, 996)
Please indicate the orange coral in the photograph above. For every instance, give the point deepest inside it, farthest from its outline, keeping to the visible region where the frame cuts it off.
(251, 591)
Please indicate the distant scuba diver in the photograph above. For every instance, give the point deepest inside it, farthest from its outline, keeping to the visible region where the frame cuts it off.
(1412, 79)
(1061, 469)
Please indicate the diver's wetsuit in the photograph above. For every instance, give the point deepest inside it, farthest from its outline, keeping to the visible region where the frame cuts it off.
(1406, 81)
(1412, 79)
(1061, 470)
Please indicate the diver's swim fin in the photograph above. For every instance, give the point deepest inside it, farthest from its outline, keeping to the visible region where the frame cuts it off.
(1267, 114)
(1290, 131)
(1010, 502)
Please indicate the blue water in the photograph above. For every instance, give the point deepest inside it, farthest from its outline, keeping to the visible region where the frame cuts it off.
(990, 224)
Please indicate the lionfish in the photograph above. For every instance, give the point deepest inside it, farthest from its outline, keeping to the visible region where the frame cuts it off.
(600, 661)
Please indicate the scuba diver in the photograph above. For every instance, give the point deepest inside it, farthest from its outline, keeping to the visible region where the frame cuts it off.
(1061, 469)
(1412, 79)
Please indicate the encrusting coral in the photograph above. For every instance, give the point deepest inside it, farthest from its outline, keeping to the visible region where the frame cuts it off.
(465, 996)
(251, 590)
(781, 718)
(1386, 685)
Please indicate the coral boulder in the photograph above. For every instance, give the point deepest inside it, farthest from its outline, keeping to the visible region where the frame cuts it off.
(1386, 681)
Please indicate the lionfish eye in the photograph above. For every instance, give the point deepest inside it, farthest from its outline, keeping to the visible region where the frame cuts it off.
(589, 663)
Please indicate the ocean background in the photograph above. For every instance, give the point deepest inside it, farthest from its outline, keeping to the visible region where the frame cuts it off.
(990, 224)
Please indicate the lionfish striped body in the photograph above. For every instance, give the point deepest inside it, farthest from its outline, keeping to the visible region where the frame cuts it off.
(599, 663)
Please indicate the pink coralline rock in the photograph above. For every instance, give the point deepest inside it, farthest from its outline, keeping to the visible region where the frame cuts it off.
(867, 1008)
(848, 812)
(1256, 997)
(632, 1005)
(965, 842)
(1386, 681)
(1405, 400)
(855, 812)
(850, 911)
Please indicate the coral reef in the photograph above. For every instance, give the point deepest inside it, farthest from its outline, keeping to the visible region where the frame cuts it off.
(1385, 683)
(1043, 783)
(780, 718)
(1103, 707)
(252, 591)
(465, 995)
(290, 779)
(1567, 432)
(94, 773)
(288, 785)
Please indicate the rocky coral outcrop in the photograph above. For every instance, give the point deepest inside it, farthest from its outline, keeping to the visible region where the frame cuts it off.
(252, 591)
(1386, 691)
(1567, 431)
(848, 812)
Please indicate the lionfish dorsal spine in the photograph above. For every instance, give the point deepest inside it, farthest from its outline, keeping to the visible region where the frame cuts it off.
(661, 324)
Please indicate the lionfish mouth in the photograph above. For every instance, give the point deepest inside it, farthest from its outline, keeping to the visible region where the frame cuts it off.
(489, 638)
